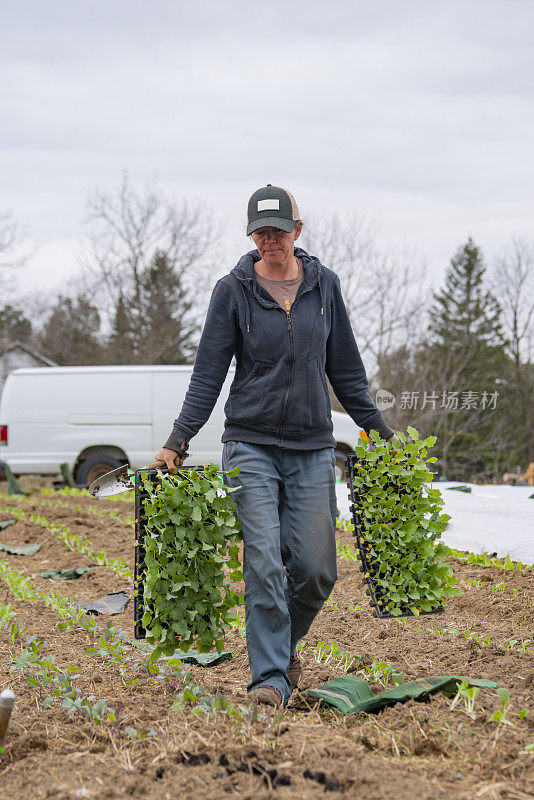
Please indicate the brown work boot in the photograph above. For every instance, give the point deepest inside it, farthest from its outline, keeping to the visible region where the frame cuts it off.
(294, 671)
(269, 695)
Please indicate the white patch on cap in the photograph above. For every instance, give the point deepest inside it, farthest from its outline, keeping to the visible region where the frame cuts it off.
(269, 205)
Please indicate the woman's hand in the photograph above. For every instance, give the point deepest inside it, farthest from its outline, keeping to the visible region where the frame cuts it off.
(170, 457)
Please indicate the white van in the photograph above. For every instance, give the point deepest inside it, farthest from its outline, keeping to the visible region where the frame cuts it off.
(96, 418)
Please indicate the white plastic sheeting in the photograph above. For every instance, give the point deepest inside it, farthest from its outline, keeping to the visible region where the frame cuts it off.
(491, 518)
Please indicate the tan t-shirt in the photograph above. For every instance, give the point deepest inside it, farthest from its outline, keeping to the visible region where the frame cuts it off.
(284, 292)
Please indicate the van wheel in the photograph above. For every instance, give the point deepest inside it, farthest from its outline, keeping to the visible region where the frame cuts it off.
(94, 467)
(340, 468)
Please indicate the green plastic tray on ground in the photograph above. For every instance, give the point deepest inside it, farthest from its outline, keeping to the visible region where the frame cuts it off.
(25, 550)
(352, 695)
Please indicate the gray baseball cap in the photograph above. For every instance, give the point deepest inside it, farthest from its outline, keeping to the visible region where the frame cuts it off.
(271, 207)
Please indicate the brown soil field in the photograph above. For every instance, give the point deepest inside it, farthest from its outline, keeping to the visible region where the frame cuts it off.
(412, 750)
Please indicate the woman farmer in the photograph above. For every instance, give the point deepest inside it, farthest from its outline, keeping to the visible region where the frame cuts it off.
(281, 313)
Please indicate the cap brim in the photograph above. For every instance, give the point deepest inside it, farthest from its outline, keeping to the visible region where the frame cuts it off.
(286, 225)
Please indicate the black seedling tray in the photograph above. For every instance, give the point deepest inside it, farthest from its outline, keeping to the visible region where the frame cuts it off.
(155, 475)
(369, 583)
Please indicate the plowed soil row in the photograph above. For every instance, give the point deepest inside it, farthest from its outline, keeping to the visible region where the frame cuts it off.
(412, 750)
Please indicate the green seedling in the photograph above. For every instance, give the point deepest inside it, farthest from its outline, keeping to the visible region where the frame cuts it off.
(99, 512)
(485, 560)
(139, 734)
(40, 671)
(468, 694)
(381, 672)
(330, 654)
(7, 613)
(438, 631)
(190, 541)
(300, 647)
(67, 491)
(501, 715)
(329, 603)
(474, 582)
(17, 512)
(112, 646)
(75, 542)
(238, 626)
(123, 497)
(346, 552)
(400, 524)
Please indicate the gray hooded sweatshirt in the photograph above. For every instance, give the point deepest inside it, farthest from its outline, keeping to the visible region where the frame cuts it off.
(279, 393)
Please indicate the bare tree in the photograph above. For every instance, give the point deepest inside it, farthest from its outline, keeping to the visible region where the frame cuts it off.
(129, 227)
(384, 295)
(14, 322)
(13, 253)
(10, 235)
(513, 281)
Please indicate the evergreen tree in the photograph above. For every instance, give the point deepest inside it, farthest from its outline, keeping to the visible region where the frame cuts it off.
(155, 325)
(466, 355)
(464, 312)
(167, 326)
(123, 343)
(13, 326)
(70, 334)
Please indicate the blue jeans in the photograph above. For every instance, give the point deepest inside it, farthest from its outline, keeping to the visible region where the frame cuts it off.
(286, 505)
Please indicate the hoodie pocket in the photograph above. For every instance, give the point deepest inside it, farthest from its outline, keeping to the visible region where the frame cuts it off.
(317, 400)
(248, 398)
(249, 377)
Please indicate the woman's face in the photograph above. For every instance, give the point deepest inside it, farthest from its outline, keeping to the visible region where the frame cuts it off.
(275, 246)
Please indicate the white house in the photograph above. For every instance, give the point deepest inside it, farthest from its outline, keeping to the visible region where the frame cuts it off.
(17, 355)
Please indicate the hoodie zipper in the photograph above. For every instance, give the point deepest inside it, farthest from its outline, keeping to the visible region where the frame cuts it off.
(290, 362)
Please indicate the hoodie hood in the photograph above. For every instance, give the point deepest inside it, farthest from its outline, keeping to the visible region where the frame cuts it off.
(244, 272)
(244, 269)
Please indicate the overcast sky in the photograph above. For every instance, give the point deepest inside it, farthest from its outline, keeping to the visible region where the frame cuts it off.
(417, 115)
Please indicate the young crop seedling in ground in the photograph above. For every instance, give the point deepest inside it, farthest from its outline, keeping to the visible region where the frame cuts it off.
(204, 703)
(115, 647)
(501, 714)
(353, 608)
(123, 497)
(190, 543)
(344, 551)
(99, 512)
(380, 672)
(344, 525)
(499, 587)
(40, 672)
(73, 541)
(468, 694)
(400, 523)
(328, 654)
(329, 603)
(485, 560)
